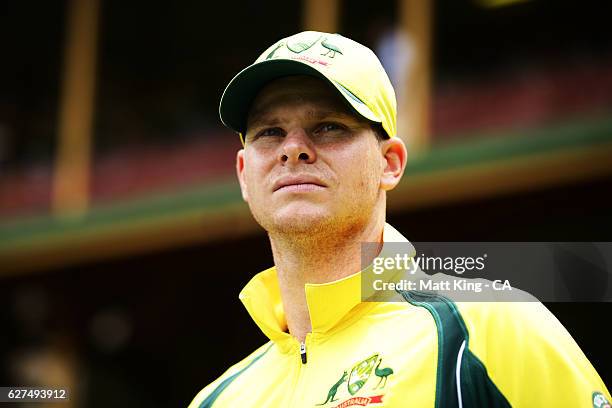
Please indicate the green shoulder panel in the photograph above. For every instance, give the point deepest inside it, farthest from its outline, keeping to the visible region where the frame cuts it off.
(461, 378)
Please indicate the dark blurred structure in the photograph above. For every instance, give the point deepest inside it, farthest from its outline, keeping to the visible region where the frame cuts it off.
(161, 70)
(135, 302)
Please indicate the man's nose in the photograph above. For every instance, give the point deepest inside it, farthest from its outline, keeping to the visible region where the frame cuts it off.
(297, 147)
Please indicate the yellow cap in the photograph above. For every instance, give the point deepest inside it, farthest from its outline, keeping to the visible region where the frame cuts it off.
(353, 69)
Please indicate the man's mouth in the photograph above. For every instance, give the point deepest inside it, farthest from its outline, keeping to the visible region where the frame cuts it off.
(299, 184)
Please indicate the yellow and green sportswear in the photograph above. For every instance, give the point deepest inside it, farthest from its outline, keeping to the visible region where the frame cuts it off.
(427, 351)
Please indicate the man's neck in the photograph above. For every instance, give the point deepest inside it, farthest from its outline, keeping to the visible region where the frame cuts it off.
(318, 259)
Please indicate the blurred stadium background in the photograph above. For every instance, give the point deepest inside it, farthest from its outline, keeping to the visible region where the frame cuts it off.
(123, 238)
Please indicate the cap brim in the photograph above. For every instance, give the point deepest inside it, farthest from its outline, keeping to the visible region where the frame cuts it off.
(244, 87)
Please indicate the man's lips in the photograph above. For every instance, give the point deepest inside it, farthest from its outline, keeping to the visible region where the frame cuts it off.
(299, 183)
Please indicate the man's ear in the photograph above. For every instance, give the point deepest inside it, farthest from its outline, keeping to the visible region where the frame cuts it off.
(394, 159)
(241, 175)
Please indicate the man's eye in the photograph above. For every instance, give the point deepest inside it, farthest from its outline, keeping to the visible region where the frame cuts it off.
(329, 127)
(270, 132)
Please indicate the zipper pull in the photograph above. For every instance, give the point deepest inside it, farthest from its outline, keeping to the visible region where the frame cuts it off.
(303, 352)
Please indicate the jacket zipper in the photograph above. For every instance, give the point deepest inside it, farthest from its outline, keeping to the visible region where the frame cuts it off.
(303, 351)
(301, 367)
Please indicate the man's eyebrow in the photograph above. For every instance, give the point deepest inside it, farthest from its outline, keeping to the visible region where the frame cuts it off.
(259, 117)
(262, 118)
(256, 116)
(320, 114)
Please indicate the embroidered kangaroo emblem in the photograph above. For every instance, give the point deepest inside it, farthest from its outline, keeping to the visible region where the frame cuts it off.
(332, 391)
(271, 54)
(382, 373)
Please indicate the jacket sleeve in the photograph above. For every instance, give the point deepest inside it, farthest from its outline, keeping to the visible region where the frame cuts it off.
(531, 357)
(206, 391)
(202, 398)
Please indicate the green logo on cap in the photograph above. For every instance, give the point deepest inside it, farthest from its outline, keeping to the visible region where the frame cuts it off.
(304, 41)
(330, 48)
(271, 54)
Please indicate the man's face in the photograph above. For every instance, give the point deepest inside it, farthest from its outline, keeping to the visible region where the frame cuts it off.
(309, 162)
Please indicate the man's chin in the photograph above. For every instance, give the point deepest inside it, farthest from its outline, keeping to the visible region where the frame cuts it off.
(301, 222)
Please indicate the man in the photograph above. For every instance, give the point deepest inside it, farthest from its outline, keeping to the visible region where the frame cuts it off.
(317, 115)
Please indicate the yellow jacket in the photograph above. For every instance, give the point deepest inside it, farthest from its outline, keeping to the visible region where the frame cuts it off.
(426, 351)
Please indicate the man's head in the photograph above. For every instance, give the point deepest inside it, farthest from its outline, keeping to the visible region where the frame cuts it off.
(312, 161)
(351, 68)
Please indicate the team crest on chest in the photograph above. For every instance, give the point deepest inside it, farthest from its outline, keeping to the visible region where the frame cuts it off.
(360, 374)
(365, 381)
(600, 401)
